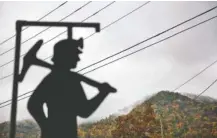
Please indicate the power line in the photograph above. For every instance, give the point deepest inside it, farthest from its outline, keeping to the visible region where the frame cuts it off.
(112, 23)
(59, 34)
(4, 41)
(63, 32)
(109, 26)
(18, 97)
(78, 9)
(152, 43)
(141, 42)
(151, 37)
(129, 47)
(206, 89)
(187, 81)
(17, 100)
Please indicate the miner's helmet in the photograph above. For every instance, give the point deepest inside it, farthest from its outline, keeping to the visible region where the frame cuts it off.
(67, 50)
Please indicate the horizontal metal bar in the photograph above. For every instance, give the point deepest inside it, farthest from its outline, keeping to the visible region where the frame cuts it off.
(59, 24)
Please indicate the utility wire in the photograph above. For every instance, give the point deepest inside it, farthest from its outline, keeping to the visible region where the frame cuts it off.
(151, 37)
(4, 41)
(17, 100)
(141, 42)
(206, 89)
(48, 27)
(153, 43)
(132, 46)
(63, 31)
(187, 81)
(18, 97)
(112, 23)
(109, 25)
(60, 34)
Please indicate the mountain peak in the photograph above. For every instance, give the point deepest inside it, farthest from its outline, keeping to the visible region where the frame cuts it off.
(164, 97)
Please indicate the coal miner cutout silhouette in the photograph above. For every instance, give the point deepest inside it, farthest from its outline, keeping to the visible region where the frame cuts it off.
(61, 89)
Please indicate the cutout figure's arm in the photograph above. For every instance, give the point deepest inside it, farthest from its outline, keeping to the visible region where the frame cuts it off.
(87, 107)
(96, 84)
(35, 105)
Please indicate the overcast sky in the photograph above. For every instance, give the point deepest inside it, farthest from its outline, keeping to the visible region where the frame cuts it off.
(161, 67)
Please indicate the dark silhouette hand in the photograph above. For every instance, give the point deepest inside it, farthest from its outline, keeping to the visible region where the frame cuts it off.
(105, 87)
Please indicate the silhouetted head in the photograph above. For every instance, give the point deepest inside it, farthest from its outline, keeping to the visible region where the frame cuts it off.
(66, 53)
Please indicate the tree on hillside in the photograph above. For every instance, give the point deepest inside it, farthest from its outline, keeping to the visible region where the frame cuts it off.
(139, 123)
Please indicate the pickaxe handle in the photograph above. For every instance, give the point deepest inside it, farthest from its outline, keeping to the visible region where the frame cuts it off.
(81, 77)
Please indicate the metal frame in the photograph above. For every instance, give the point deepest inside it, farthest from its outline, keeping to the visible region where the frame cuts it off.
(19, 25)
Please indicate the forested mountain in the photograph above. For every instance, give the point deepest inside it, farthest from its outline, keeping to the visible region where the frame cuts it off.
(164, 115)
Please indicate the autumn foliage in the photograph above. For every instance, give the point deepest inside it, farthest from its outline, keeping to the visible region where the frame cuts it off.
(164, 115)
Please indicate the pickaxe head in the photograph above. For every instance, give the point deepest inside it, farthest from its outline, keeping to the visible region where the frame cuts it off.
(30, 59)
